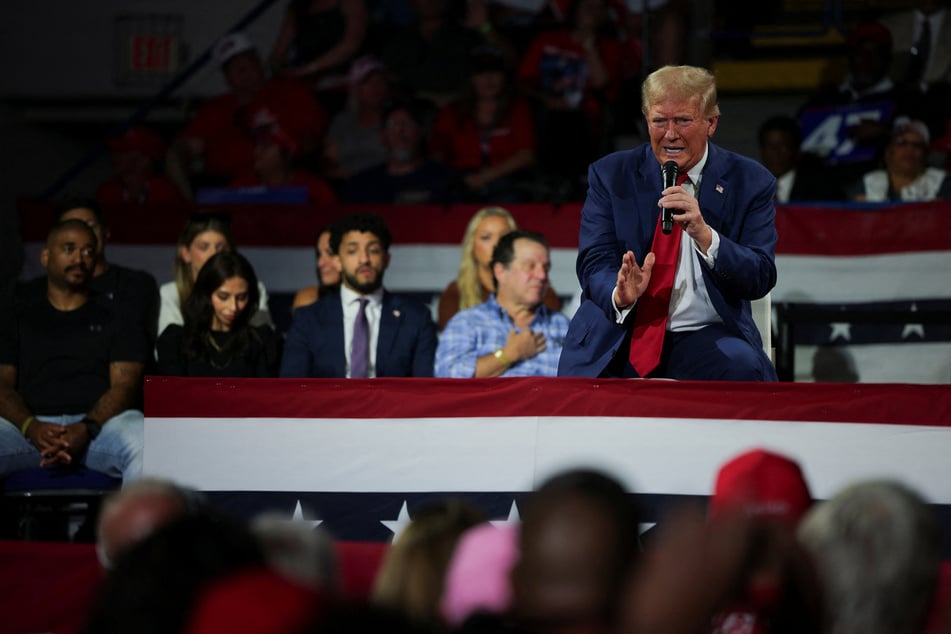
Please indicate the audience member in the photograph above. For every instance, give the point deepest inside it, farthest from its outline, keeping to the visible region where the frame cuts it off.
(347, 618)
(364, 331)
(216, 338)
(406, 176)
(275, 153)
(907, 176)
(412, 575)
(353, 141)
(70, 369)
(669, 22)
(877, 549)
(578, 545)
(204, 235)
(488, 135)
(799, 177)
(133, 513)
(688, 572)
(430, 57)
(690, 296)
(776, 589)
(475, 281)
(847, 125)
(136, 178)
(155, 584)
(255, 601)
(478, 577)
(317, 40)
(922, 57)
(299, 551)
(328, 273)
(573, 73)
(513, 333)
(216, 145)
(131, 290)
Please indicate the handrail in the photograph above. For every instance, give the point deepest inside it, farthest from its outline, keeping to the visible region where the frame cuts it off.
(173, 84)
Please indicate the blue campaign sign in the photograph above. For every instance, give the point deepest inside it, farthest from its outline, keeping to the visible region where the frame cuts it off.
(826, 132)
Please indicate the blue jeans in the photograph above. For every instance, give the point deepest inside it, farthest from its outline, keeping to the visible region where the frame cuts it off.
(116, 451)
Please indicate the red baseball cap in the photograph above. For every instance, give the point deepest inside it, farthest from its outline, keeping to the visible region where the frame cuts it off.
(139, 138)
(257, 601)
(761, 483)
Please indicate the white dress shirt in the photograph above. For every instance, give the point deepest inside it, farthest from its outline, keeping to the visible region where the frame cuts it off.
(350, 301)
(690, 306)
(784, 185)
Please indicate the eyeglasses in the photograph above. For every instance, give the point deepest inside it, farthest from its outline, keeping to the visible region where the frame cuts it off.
(902, 142)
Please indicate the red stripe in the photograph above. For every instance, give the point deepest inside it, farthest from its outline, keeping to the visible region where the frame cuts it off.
(803, 230)
(441, 398)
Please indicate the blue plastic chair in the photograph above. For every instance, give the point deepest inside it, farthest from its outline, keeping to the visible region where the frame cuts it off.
(68, 497)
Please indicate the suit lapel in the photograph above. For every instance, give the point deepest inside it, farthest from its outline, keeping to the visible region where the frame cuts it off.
(714, 186)
(390, 320)
(331, 323)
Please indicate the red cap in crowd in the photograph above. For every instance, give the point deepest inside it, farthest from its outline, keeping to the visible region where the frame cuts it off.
(761, 484)
(257, 601)
(139, 138)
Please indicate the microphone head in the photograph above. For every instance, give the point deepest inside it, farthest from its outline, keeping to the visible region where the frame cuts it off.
(670, 169)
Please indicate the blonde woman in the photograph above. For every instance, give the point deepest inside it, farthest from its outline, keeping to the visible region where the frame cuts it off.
(204, 235)
(474, 283)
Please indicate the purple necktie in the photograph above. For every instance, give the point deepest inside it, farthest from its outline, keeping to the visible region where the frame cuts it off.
(360, 345)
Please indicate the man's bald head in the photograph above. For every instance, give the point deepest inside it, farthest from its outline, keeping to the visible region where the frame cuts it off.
(135, 511)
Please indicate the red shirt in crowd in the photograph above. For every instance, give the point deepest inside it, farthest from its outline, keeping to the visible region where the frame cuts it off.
(224, 124)
(555, 63)
(462, 146)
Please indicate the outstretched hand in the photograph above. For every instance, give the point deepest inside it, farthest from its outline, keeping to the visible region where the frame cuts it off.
(632, 279)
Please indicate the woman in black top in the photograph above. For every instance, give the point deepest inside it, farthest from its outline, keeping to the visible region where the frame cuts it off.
(216, 339)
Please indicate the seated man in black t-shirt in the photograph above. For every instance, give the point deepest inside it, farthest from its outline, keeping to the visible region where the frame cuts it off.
(70, 369)
(133, 292)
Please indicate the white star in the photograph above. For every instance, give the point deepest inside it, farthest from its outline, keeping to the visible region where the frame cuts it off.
(398, 525)
(910, 329)
(513, 518)
(299, 517)
(841, 329)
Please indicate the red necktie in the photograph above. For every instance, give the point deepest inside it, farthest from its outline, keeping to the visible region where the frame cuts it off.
(650, 321)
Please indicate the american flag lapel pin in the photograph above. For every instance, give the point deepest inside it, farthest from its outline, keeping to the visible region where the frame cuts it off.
(719, 188)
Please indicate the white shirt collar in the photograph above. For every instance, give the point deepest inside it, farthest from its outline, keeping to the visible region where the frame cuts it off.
(349, 296)
(694, 172)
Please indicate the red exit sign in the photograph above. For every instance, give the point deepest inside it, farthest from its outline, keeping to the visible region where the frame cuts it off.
(154, 53)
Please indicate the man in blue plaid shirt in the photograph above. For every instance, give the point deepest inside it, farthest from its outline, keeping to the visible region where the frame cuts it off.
(512, 333)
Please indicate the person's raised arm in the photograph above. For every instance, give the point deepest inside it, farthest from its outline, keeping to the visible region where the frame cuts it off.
(355, 14)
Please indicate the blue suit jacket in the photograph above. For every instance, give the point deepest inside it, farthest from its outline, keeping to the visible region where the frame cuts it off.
(315, 348)
(620, 214)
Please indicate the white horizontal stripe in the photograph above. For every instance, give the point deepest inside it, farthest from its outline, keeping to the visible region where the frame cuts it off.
(650, 455)
(827, 279)
(921, 363)
(819, 279)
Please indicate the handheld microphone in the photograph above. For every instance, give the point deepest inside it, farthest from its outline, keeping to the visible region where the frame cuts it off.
(670, 171)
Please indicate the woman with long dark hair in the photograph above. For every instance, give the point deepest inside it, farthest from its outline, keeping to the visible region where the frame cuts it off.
(216, 338)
